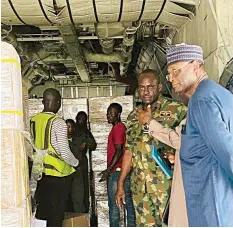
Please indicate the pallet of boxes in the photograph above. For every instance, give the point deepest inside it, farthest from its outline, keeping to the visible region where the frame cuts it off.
(15, 192)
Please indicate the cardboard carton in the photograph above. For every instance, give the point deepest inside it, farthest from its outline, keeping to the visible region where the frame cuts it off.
(76, 220)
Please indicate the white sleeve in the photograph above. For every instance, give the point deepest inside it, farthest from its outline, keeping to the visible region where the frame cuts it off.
(166, 135)
(59, 141)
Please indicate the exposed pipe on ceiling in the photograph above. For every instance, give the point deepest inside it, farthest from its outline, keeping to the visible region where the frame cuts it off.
(107, 45)
(127, 47)
(89, 57)
(58, 38)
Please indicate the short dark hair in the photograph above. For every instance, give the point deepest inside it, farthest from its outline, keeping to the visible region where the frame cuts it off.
(81, 113)
(155, 74)
(71, 121)
(51, 93)
(116, 106)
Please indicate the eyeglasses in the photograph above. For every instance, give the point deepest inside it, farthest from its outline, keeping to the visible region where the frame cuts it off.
(174, 72)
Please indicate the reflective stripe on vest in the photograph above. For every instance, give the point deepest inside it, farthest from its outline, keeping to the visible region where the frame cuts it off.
(54, 165)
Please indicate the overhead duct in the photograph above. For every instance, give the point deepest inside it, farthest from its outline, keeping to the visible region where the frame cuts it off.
(102, 58)
(89, 57)
(127, 47)
(72, 43)
(107, 45)
(18, 12)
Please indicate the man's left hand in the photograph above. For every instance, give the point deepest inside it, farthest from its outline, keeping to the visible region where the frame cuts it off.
(104, 175)
(144, 115)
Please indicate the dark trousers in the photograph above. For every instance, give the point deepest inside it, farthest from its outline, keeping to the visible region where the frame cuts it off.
(77, 192)
(114, 212)
(80, 189)
(52, 195)
(86, 184)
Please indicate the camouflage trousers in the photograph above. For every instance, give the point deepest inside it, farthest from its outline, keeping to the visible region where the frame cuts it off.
(149, 209)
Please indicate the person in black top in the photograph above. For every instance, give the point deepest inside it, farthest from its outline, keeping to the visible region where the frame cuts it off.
(84, 139)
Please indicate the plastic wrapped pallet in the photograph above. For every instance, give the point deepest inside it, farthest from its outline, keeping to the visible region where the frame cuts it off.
(11, 88)
(14, 169)
(25, 105)
(26, 118)
(35, 106)
(70, 107)
(103, 213)
(101, 130)
(98, 107)
(100, 187)
(17, 216)
(99, 159)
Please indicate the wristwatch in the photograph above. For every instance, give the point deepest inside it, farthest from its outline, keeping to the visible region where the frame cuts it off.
(148, 123)
(146, 127)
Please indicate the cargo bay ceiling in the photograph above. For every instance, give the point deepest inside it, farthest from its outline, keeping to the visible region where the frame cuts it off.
(72, 41)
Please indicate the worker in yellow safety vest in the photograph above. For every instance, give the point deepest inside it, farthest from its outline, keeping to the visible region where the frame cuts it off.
(50, 132)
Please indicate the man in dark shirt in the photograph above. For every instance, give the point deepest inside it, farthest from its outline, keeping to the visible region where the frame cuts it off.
(115, 149)
(76, 201)
(84, 139)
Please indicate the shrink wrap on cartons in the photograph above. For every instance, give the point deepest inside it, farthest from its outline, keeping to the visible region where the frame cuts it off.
(98, 107)
(100, 187)
(35, 106)
(11, 88)
(26, 118)
(14, 169)
(25, 96)
(17, 216)
(25, 152)
(70, 107)
(103, 213)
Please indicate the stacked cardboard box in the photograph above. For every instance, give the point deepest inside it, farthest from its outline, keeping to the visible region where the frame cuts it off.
(76, 220)
(35, 106)
(15, 193)
(70, 107)
(100, 129)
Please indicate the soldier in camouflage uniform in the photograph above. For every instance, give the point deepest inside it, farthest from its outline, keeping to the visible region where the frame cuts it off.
(150, 186)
